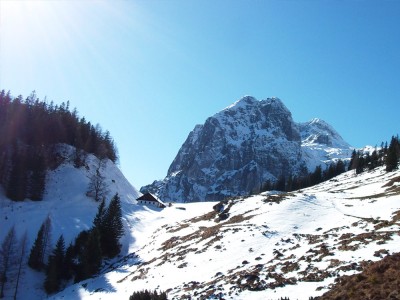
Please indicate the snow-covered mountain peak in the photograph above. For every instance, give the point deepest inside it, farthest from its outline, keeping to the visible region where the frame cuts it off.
(318, 131)
(256, 116)
(321, 144)
(275, 102)
(316, 120)
(242, 102)
(233, 153)
(249, 104)
(241, 147)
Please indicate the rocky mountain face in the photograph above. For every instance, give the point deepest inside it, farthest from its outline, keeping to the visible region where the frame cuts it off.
(238, 149)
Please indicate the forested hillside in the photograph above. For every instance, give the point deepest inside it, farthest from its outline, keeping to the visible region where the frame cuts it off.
(30, 130)
(361, 161)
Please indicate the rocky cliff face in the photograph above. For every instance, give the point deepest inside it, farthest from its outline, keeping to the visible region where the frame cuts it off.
(235, 151)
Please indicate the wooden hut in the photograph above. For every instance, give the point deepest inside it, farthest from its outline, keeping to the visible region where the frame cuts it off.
(150, 199)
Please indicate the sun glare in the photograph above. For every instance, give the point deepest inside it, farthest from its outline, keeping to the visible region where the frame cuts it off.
(41, 34)
(19, 13)
(24, 23)
(64, 39)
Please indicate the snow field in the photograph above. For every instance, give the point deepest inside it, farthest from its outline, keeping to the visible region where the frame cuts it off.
(182, 249)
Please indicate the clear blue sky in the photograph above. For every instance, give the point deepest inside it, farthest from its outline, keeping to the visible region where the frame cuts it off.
(149, 71)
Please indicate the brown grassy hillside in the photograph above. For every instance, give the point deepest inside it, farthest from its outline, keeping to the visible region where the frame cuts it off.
(379, 280)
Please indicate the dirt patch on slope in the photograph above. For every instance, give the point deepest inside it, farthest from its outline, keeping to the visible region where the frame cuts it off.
(203, 233)
(392, 182)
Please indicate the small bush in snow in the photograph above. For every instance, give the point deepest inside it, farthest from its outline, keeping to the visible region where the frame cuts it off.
(147, 295)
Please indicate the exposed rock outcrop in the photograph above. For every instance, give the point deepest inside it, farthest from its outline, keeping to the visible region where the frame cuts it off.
(235, 151)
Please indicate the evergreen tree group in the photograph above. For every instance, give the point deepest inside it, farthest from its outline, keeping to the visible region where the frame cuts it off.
(148, 295)
(83, 258)
(29, 130)
(12, 260)
(55, 268)
(306, 179)
(7, 250)
(110, 228)
(387, 156)
(101, 241)
(40, 248)
(393, 154)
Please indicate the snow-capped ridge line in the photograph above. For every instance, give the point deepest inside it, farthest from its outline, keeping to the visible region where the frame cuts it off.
(244, 145)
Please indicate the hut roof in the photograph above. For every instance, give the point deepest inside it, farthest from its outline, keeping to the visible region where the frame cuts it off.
(149, 197)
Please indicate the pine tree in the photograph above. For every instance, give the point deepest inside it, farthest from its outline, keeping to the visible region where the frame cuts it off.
(35, 257)
(40, 246)
(374, 160)
(69, 266)
(55, 266)
(46, 238)
(357, 162)
(367, 159)
(289, 184)
(295, 184)
(91, 257)
(354, 160)
(147, 295)
(80, 243)
(17, 182)
(392, 158)
(316, 177)
(99, 218)
(90, 251)
(38, 177)
(79, 158)
(7, 254)
(112, 229)
(340, 167)
(280, 184)
(330, 172)
(361, 163)
(267, 186)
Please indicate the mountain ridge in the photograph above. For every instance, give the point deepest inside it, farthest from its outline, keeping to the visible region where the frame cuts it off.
(244, 145)
(278, 244)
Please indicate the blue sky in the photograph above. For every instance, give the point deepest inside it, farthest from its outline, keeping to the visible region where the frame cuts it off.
(149, 71)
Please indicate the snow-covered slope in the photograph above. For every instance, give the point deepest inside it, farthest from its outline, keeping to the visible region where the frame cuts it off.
(70, 211)
(262, 247)
(241, 147)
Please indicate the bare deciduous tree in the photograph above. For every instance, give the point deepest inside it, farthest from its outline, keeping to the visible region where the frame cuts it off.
(98, 188)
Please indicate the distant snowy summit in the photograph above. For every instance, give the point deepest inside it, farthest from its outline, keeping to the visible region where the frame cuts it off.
(241, 147)
(322, 144)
